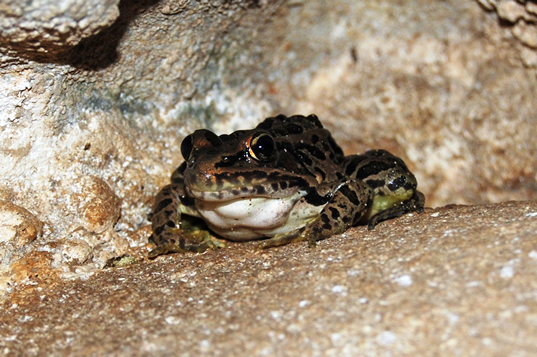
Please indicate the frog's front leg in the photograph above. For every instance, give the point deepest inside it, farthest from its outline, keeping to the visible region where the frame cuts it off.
(415, 204)
(347, 206)
(175, 228)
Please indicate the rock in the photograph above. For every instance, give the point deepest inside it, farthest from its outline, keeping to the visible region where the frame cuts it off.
(529, 57)
(452, 280)
(96, 96)
(42, 28)
(18, 226)
(510, 10)
(526, 33)
(98, 206)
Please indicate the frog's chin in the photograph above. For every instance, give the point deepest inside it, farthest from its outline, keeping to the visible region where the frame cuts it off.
(256, 217)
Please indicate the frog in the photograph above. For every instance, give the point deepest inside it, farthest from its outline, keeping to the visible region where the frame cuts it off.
(285, 181)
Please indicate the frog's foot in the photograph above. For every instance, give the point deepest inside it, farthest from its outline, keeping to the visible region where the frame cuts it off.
(415, 204)
(178, 241)
(280, 239)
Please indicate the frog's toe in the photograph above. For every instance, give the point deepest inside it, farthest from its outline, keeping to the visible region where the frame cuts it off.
(414, 204)
(282, 239)
(215, 243)
(163, 249)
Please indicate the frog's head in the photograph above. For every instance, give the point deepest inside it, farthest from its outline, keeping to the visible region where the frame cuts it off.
(246, 163)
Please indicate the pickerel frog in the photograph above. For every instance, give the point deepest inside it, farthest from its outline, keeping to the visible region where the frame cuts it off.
(284, 181)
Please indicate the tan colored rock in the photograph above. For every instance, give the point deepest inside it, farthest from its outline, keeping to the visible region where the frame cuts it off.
(529, 57)
(526, 33)
(531, 7)
(440, 84)
(18, 226)
(488, 4)
(30, 273)
(76, 252)
(49, 27)
(98, 206)
(511, 10)
(458, 280)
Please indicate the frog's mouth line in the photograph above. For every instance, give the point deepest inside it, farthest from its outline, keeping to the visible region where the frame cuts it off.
(224, 186)
(275, 190)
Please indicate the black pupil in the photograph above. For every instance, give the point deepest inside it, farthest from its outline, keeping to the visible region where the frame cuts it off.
(186, 147)
(264, 146)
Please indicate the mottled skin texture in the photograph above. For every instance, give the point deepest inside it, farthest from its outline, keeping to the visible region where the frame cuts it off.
(293, 163)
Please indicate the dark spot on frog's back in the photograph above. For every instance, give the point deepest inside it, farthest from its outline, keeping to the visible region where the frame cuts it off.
(162, 204)
(315, 199)
(335, 213)
(313, 150)
(315, 120)
(326, 221)
(335, 148)
(266, 124)
(374, 168)
(350, 194)
(320, 172)
(304, 158)
(294, 129)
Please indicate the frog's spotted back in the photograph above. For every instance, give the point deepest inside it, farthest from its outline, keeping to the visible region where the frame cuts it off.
(285, 180)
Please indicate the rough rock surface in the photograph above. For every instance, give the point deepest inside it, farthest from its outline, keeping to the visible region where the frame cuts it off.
(520, 16)
(458, 280)
(43, 29)
(88, 134)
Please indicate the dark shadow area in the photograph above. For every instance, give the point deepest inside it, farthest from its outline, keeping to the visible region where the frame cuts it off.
(100, 51)
(92, 53)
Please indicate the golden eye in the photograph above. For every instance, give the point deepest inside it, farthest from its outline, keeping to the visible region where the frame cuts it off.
(262, 146)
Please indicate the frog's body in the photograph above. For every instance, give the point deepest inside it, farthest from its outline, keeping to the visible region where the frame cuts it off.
(286, 180)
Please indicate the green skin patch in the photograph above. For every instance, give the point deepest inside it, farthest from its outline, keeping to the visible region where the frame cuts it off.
(383, 203)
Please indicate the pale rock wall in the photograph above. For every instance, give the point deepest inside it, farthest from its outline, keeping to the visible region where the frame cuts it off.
(90, 135)
(96, 96)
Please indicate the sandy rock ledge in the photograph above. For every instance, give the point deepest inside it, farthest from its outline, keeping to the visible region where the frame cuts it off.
(457, 280)
(96, 96)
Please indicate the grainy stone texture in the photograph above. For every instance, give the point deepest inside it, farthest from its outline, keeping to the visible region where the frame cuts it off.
(43, 29)
(96, 96)
(458, 280)
(88, 136)
(520, 16)
(439, 83)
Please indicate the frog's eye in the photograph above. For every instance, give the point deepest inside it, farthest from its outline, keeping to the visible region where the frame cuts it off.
(187, 146)
(262, 146)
